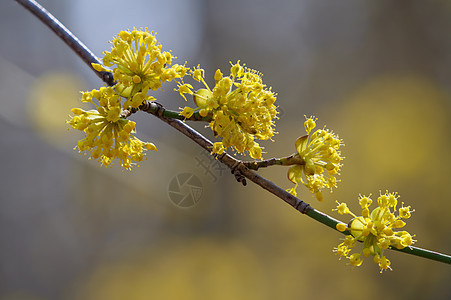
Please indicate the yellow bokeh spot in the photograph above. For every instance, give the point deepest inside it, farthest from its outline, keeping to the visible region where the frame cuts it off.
(51, 98)
(195, 269)
(396, 126)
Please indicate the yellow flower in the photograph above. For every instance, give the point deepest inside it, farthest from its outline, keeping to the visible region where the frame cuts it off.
(218, 148)
(376, 230)
(355, 260)
(241, 106)
(140, 65)
(108, 136)
(317, 154)
(187, 112)
(185, 89)
(342, 208)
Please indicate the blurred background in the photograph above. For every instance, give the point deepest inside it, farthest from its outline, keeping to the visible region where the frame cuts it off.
(376, 72)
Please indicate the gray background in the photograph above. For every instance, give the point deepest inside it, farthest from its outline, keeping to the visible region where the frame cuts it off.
(376, 72)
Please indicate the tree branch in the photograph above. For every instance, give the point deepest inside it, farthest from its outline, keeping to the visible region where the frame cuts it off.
(234, 164)
(293, 159)
(68, 37)
(239, 169)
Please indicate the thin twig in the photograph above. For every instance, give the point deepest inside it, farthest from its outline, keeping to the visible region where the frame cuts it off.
(68, 37)
(293, 159)
(156, 110)
(173, 120)
(171, 114)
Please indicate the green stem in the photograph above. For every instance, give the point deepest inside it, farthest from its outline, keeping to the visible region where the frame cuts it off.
(426, 254)
(152, 107)
(325, 219)
(293, 159)
(195, 117)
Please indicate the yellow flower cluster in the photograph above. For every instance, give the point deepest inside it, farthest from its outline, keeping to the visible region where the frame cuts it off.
(108, 136)
(140, 65)
(316, 153)
(375, 230)
(241, 106)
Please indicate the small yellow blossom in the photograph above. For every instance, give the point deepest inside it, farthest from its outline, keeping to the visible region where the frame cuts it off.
(376, 230)
(317, 154)
(218, 148)
(185, 89)
(140, 65)
(341, 227)
(342, 250)
(187, 112)
(108, 136)
(310, 124)
(355, 259)
(241, 106)
(218, 75)
(342, 208)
